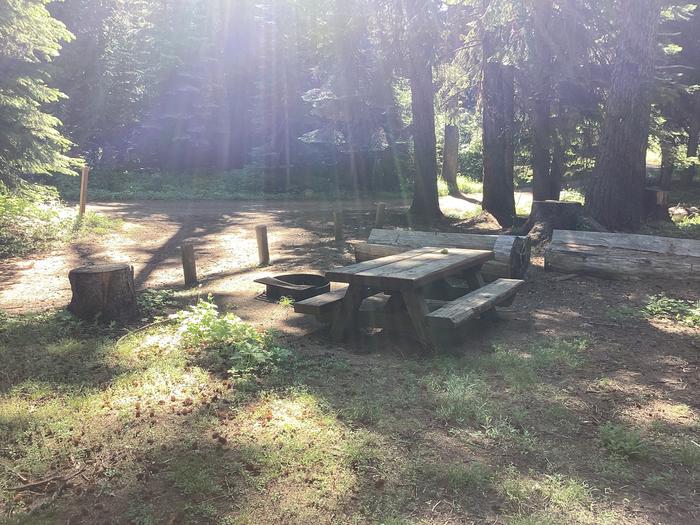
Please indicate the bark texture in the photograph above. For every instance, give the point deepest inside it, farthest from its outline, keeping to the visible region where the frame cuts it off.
(105, 292)
(450, 158)
(614, 197)
(425, 203)
(668, 162)
(498, 114)
(623, 256)
(690, 172)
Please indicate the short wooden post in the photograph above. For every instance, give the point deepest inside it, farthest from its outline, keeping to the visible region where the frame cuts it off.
(379, 219)
(263, 249)
(338, 226)
(83, 190)
(189, 266)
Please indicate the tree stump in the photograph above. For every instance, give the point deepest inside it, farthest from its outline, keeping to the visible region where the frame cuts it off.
(547, 216)
(104, 291)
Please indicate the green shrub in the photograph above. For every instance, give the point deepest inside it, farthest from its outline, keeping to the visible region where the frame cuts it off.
(33, 218)
(226, 340)
(622, 441)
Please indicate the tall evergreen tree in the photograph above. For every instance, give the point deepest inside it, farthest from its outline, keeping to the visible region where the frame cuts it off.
(615, 195)
(30, 139)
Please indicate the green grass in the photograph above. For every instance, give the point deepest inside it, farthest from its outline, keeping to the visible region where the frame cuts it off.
(683, 311)
(169, 429)
(622, 441)
(465, 184)
(33, 218)
(243, 184)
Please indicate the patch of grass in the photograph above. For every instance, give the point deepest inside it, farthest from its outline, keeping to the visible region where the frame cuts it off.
(622, 441)
(572, 195)
(684, 227)
(688, 454)
(680, 310)
(459, 477)
(33, 218)
(461, 399)
(549, 499)
(465, 184)
(247, 183)
(520, 368)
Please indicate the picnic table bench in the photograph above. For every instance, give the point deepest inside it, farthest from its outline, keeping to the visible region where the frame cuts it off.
(428, 289)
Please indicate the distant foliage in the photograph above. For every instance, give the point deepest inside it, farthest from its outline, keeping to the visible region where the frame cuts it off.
(232, 345)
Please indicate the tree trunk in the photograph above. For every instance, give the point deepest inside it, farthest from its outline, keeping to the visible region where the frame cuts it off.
(615, 195)
(693, 135)
(497, 136)
(450, 158)
(541, 96)
(425, 205)
(556, 171)
(105, 292)
(668, 161)
(547, 216)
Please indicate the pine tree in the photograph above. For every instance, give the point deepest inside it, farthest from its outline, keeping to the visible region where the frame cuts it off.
(30, 139)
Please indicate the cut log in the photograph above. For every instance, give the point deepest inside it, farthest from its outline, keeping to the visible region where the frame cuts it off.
(547, 216)
(511, 253)
(105, 292)
(623, 256)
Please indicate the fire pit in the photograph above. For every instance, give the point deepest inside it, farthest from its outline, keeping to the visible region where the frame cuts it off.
(298, 286)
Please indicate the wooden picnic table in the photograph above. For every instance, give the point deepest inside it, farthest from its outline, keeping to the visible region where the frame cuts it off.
(406, 276)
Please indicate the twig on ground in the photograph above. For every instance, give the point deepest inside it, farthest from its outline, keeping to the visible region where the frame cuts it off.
(145, 327)
(56, 477)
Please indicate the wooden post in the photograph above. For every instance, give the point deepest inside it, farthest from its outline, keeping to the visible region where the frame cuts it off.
(83, 190)
(263, 249)
(338, 226)
(189, 266)
(379, 219)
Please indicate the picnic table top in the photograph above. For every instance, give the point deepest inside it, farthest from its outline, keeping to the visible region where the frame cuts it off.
(410, 269)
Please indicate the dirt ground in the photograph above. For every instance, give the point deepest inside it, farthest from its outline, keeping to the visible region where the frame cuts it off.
(650, 367)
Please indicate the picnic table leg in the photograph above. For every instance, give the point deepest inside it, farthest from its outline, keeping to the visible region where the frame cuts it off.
(476, 281)
(417, 310)
(474, 278)
(346, 315)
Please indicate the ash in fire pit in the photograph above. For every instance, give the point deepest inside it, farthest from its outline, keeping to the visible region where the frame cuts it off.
(298, 286)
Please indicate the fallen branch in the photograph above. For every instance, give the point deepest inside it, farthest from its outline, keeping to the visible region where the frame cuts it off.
(56, 477)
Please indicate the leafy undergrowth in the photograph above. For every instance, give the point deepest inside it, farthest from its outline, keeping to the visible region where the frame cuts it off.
(34, 218)
(661, 307)
(200, 418)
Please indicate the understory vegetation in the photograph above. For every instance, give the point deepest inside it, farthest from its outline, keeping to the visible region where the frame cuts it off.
(199, 417)
(34, 218)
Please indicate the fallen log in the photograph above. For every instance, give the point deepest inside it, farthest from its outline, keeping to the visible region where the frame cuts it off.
(511, 253)
(623, 256)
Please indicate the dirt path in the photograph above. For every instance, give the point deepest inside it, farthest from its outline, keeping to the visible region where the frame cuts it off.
(300, 236)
